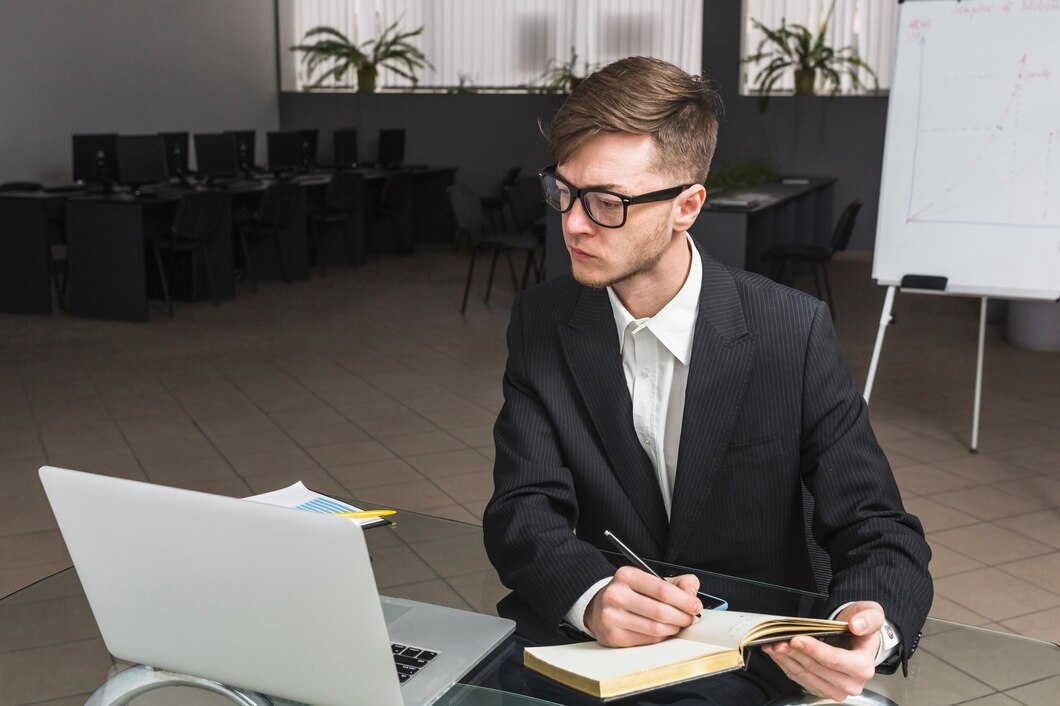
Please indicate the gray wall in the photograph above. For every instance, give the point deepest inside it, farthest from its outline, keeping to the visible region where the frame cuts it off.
(482, 135)
(128, 66)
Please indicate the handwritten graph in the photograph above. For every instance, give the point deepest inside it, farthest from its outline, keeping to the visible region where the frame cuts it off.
(971, 173)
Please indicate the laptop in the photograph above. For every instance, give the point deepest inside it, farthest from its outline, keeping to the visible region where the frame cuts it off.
(271, 599)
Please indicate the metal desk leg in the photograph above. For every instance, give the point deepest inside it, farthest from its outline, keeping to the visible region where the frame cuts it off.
(125, 686)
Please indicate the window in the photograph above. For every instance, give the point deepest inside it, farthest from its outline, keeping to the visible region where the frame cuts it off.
(870, 26)
(509, 45)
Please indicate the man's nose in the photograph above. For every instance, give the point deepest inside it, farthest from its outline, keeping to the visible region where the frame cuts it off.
(576, 220)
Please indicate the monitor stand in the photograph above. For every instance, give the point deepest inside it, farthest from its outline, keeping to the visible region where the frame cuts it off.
(135, 681)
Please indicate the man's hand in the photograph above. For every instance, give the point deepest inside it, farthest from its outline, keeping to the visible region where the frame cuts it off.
(637, 608)
(827, 670)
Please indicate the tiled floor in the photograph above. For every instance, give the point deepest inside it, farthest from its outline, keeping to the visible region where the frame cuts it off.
(369, 383)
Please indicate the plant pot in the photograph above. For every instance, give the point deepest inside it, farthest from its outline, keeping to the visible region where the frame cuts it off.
(804, 80)
(366, 76)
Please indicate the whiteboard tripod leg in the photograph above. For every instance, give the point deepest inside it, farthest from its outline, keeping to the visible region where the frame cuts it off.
(979, 376)
(885, 320)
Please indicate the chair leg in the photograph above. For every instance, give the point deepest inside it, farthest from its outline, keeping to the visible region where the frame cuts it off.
(60, 287)
(816, 278)
(165, 283)
(493, 268)
(246, 263)
(209, 274)
(315, 227)
(511, 268)
(828, 289)
(470, 271)
(526, 270)
(283, 258)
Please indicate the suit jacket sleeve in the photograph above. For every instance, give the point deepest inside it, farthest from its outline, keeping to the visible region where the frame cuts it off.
(529, 523)
(878, 551)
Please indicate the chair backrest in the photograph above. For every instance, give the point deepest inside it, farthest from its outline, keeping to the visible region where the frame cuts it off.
(467, 212)
(21, 186)
(277, 205)
(526, 201)
(342, 191)
(844, 227)
(509, 178)
(197, 217)
(396, 190)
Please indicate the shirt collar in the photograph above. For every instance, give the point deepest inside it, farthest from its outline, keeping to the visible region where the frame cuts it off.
(676, 322)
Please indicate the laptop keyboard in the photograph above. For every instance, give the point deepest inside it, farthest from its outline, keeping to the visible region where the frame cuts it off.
(410, 660)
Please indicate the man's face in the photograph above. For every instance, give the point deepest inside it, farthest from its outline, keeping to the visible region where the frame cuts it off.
(619, 162)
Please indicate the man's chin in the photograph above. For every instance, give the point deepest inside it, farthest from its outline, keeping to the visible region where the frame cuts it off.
(591, 280)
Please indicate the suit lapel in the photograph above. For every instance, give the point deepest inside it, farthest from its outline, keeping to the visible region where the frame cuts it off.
(722, 352)
(590, 345)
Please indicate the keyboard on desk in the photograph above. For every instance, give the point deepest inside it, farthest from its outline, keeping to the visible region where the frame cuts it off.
(410, 660)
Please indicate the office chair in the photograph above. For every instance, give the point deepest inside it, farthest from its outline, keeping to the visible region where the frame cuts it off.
(274, 215)
(471, 225)
(56, 234)
(192, 232)
(494, 205)
(397, 189)
(340, 200)
(781, 256)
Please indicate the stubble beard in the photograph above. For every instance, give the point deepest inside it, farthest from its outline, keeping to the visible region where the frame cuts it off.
(642, 261)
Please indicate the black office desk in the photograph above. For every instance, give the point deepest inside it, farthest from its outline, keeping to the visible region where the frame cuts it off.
(788, 213)
(110, 268)
(27, 222)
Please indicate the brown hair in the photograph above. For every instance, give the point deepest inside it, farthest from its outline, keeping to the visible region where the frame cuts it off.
(643, 96)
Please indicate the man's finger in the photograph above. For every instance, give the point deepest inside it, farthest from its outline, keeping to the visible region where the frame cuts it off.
(832, 685)
(663, 591)
(857, 661)
(688, 583)
(848, 683)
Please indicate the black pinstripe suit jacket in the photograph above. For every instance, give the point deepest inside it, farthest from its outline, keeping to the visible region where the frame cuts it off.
(770, 405)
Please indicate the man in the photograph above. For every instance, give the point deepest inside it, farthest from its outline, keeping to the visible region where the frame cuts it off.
(684, 406)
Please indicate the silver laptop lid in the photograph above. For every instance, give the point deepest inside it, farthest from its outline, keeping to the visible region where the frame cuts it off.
(270, 599)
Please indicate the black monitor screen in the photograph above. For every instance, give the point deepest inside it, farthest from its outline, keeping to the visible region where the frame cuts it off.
(176, 146)
(245, 154)
(391, 147)
(141, 159)
(309, 146)
(345, 143)
(95, 158)
(285, 150)
(215, 155)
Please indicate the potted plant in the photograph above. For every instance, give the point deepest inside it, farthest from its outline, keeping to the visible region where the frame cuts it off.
(391, 49)
(793, 46)
(561, 78)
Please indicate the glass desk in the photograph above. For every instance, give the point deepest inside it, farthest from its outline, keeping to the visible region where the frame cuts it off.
(51, 651)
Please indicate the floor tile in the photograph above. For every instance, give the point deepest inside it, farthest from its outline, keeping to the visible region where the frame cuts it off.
(989, 543)
(423, 443)
(987, 503)
(1043, 571)
(995, 594)
(446, 463)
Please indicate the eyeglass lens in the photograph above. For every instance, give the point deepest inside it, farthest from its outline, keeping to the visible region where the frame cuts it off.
(604, 208)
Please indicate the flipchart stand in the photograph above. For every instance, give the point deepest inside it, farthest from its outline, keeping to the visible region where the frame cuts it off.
(924, 284)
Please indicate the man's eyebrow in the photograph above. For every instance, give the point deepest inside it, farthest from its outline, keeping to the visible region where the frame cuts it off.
(618, 188)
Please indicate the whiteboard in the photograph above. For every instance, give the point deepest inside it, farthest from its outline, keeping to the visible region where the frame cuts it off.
(971, 171)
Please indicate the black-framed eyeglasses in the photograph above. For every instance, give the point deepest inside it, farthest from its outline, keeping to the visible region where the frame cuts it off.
(606, 208)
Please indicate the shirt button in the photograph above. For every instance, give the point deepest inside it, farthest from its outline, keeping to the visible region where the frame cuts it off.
(647, 441)
(646, 372)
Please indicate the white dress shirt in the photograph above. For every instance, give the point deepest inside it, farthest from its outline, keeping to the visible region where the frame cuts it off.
(656, 352)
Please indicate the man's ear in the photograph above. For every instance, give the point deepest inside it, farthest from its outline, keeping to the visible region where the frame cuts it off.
(688, 206)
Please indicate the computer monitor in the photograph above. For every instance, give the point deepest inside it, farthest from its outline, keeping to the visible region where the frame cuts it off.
(391, 148)
(245, 153)
(176, 147)
(285, 151)
(141, 160)
(344, 142)
(215, 155)
(95, 158)
(309, 147)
